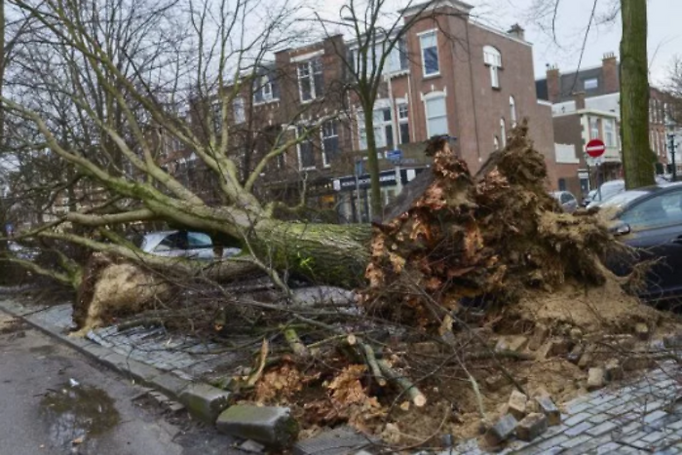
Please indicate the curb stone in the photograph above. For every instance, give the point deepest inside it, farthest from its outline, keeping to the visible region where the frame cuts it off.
(146, 375)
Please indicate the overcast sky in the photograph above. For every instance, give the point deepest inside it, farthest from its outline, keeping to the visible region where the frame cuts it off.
(665, 32)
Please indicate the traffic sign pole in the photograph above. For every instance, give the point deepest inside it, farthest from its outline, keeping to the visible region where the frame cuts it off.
(595, 149)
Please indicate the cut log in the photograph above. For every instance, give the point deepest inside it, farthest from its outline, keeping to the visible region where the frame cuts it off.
(416, 396)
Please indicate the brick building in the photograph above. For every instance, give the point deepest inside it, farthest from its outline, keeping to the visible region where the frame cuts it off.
(586, 105)
(449, 75)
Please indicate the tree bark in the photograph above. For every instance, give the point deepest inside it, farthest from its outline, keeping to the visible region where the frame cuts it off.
(323, 253)
(372, 162)
(638, 159)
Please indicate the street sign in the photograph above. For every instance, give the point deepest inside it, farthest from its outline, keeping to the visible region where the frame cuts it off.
(359, 167)
(595, 148)
(394, 155)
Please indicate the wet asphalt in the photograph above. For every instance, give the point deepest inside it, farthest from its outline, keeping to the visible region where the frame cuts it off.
(54, 401)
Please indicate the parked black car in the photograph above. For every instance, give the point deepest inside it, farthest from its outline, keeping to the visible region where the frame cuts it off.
(650, 219)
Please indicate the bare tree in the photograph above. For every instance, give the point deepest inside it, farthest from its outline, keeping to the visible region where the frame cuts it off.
(377, 36)
(121, 64)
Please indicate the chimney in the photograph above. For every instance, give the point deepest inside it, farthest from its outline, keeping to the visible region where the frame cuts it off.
(609, 69)
(579, 98)
(517, 31)
(553, 84)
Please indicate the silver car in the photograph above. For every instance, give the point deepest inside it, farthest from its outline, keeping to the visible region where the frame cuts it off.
(194, 245)
(567, 200)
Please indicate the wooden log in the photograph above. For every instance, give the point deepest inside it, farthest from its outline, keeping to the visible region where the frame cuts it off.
(416, 396)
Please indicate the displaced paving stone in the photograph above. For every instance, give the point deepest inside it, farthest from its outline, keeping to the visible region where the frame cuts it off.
(495, 382)
(642, 331)
(272, 426)
(205, 401)
(547, 407)
(553, 347)
(502, 430)
(339, 441)
(532, 426)
(614, 372)
(540, 334)
(517, 404)
(511, 343)
(595, 378)
(587, 357)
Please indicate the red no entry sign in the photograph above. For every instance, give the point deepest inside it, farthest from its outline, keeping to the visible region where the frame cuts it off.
(595, 148)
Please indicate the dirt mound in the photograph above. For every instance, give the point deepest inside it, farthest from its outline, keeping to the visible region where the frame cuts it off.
(493, 239)
(602, 308)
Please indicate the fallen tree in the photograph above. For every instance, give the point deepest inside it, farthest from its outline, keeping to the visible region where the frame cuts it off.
(115, 102)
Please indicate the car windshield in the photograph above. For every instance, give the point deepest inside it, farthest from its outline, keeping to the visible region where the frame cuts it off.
(619, 200)
(610, 189)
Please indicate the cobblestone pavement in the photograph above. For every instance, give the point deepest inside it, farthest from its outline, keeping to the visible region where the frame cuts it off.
(184, 356)
(641, 416)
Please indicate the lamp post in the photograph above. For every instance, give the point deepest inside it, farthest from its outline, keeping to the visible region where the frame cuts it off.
(670, 126)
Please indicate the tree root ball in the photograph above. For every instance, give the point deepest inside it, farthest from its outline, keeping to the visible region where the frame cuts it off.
(113, 288)
(454, 239)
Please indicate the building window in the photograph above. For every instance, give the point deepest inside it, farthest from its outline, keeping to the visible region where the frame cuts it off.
(496, 143)
(429, 46)
(306, 157)
(436, 116)
(330, 142)
(403, 123)
(503, 133)
(591, 84)
(383, 129)
(397, 59)
(594, 128)
(310, 79)
(609, 133)
(493, 59)
(265, 89)
(238, 108)
(512, 111)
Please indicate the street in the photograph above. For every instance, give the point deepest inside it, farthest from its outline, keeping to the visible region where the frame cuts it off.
(55, 401)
